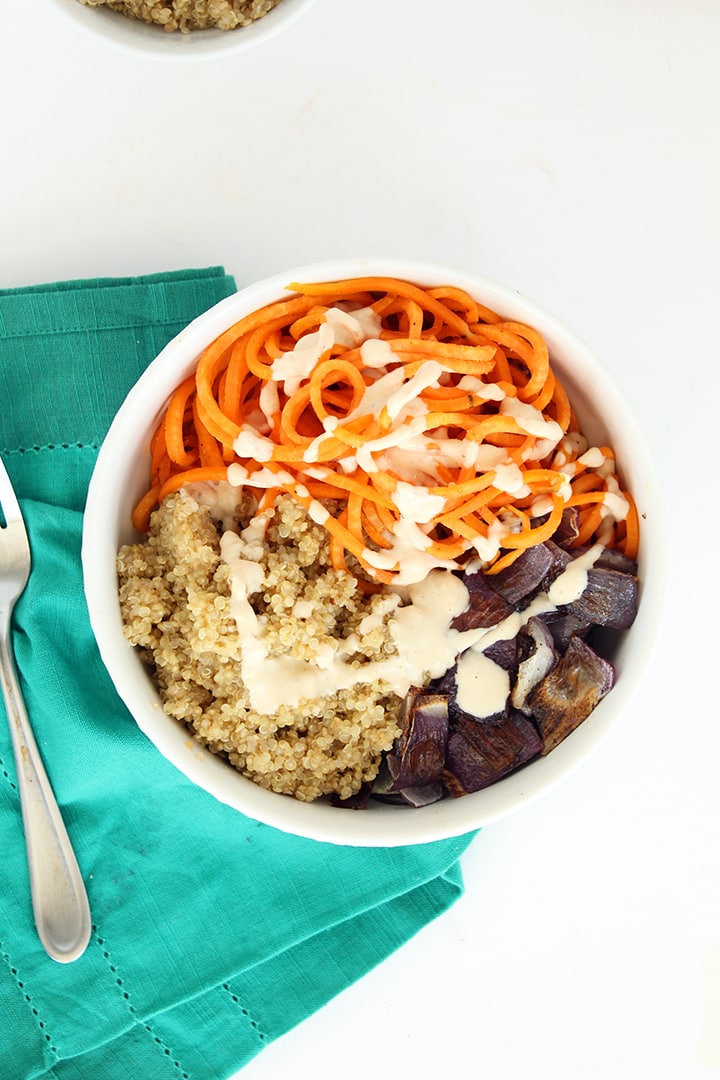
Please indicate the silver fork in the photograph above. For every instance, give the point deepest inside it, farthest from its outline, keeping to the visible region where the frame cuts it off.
(60, 904)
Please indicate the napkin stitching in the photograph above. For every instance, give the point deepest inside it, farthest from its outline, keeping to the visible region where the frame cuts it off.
(7, 776)
(136, 1018)
(63, 331)
(37, 449)
(29, 1002)
(262, 1036)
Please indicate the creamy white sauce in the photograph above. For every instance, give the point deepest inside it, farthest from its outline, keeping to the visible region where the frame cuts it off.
(421, 632)
(540, 450)
(246, 578)
(541, 506)
(509, 478)
(410, 463)
(415, 501)
(330, 423)
(531, 419)
(253, 536)
(257, 420)
(426, 454)
(427, 645)
(292, 367)
(222, 500)
(615, 504)
(564, 489)
(571, 584)
(352, 327)
(317, 512)
(339, 327)
(488, 546)
(269, 401)
(592, 458)
(483, 686)
(485, 391)
(572, 444)
(376, 353)
(407, 555)
(377, 395)
(250, 444)
(238, 476)
(427, 375)
(374, 619)
(567, 587)
(399, 435)
(487, 457)
(419, 461)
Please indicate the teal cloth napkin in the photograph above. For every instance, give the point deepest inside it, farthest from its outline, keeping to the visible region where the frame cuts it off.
(212, 934)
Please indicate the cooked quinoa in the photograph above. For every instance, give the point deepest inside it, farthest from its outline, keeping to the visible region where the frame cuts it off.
(187, 15)
(175, 598)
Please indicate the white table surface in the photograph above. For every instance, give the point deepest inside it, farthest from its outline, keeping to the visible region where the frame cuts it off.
(570, 150)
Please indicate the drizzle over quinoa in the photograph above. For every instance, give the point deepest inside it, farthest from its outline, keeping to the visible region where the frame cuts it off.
(175, 595)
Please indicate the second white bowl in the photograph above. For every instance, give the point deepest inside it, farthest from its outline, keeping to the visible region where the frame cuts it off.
(145, 39)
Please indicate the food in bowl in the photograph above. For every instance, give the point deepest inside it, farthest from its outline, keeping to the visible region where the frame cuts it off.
(380, 554)
(189, 15)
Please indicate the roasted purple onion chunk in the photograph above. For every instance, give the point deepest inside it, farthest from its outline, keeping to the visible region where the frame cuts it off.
(554, 663)
(415, 764)
(479, 753)
(570, 692)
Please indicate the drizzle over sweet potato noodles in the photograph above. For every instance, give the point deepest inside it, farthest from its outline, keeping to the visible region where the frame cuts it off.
(422, 389)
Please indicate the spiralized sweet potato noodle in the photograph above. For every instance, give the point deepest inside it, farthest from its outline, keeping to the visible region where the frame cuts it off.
(194, 440)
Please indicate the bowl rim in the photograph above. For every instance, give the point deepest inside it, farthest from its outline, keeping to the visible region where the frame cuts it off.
(143, 39)
(381, 825)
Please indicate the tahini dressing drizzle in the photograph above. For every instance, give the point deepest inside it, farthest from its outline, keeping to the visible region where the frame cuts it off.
(429, 596)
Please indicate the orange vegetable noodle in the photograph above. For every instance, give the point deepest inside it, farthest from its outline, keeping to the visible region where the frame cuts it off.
(412, 423)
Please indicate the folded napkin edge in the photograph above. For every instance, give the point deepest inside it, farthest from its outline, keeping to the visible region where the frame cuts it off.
(154, 277)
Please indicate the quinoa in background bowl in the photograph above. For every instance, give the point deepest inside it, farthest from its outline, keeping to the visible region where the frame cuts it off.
(189, 15)
(186, 30)
(118, 484)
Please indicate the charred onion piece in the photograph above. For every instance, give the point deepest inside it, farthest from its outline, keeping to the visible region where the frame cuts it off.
(485, 606)
(423, 795)
(419, 754)
(556, 677)
(447, 686)
(525, 576)
(538, 656)
(479, 754)
(358, 801)
(564, 626)
(610, 559)
(504, 653)
(569, 527)
(570, 692)
(610, 599)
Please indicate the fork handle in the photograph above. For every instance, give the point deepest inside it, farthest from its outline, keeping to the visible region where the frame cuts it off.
(59, 899)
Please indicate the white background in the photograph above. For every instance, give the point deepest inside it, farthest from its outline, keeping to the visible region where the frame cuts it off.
(568, 149)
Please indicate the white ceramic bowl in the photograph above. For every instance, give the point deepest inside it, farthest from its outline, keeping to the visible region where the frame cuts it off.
(119, 480)
(152, 41)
